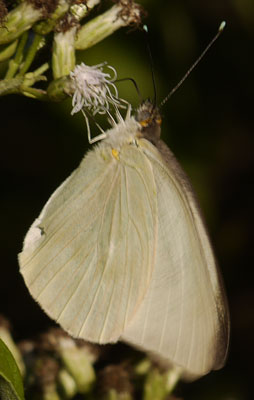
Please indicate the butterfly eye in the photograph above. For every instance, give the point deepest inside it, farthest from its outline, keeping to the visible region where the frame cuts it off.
(145, 122)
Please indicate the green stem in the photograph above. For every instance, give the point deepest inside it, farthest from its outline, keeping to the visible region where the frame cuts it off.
(15, 63)
(31, 54)
(31, 77)
(8, 86)
(16, 85)
(44, 67)
(8, 51)
(34, 93)
(22, 84)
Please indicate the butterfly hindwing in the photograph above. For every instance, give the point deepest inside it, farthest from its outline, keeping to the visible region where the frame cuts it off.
(183, 316)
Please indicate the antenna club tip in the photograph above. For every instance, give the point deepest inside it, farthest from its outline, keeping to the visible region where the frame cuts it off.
(222, 26)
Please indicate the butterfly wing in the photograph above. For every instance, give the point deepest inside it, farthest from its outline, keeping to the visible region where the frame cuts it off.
(184, 316)
(89, 256)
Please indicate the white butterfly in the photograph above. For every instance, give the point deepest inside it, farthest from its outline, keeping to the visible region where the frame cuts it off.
(120, 252)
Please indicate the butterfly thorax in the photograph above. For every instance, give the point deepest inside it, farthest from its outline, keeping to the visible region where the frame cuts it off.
(146, 124)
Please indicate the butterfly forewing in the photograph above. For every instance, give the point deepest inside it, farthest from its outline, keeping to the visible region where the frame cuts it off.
(89, 256)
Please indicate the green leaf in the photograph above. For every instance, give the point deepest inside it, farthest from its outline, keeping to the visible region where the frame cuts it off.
(11, 386)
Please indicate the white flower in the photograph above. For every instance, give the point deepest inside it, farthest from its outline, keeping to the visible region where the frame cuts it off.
(95, 92)
(94, 89)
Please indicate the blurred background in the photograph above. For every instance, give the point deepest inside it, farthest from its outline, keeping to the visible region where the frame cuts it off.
(208, 124)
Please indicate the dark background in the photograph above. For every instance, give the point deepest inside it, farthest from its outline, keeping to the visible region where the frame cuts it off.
(209, 126)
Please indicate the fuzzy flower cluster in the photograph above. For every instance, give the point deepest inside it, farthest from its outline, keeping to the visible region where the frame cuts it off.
(94, 89)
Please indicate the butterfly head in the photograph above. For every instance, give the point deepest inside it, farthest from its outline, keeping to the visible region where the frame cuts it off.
(149, 118)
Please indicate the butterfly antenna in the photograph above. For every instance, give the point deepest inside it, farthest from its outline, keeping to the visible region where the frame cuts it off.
(221, 27)
(134, 83)
(145, 29)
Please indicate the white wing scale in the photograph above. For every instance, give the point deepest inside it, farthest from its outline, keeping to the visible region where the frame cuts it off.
(183, 317)
(88, 258)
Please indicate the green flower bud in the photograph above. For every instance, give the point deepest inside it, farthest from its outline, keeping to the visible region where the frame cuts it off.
(18, 21)
(122, 14)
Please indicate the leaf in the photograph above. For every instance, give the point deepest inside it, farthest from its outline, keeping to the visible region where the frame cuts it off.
(11, 386)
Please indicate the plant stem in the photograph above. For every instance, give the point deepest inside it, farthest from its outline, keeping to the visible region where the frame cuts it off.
(8, 86)
(22, 84)
(15, 63)
(31, 54)
(8, 51)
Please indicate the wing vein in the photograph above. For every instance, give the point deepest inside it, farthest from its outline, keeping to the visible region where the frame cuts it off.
(106, 264)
